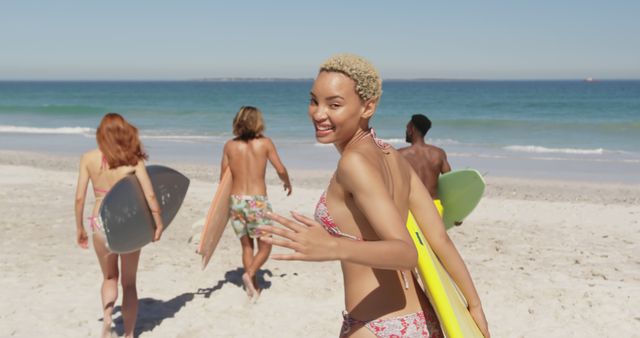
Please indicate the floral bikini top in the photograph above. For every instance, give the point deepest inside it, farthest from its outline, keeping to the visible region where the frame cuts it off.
(323, 217)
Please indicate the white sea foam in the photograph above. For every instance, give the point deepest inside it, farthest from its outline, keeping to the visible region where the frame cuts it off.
(179, 137)
(436, 141)
(394, 140)
(90, 132)
(443, 141)
(36, 130)
(401, 141)
(545, 150)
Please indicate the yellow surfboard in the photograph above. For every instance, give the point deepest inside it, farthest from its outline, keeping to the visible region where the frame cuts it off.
(446, 299)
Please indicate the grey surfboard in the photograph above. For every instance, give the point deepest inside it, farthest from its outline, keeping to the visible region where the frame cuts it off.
(125, 214)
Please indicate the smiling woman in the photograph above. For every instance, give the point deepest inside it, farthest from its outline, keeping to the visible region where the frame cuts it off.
(360, 219)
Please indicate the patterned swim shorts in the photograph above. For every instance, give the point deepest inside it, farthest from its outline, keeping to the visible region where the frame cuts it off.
(247, 212)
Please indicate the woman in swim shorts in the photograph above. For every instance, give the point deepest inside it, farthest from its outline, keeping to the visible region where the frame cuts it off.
(246, 155)
(119, 153)
(360, 218)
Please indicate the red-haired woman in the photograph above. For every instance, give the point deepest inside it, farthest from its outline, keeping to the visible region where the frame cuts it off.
(119, 153)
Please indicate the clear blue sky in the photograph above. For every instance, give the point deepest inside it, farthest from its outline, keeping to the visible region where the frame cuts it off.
(82, 39)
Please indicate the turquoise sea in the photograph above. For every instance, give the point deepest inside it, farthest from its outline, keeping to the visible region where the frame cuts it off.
(550, 129)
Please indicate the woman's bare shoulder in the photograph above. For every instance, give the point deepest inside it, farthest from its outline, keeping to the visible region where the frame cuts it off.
(401, 161)
(354, 166)
(91, 155)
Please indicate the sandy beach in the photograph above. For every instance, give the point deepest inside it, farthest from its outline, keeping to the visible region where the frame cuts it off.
(549, 259)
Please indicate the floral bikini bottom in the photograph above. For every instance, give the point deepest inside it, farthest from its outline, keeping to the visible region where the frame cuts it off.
(412, 325)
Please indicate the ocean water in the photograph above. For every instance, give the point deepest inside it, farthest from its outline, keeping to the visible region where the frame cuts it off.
(549, 129)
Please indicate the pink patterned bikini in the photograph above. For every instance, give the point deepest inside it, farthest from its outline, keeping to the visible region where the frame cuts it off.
(94, 221)
(419, 324)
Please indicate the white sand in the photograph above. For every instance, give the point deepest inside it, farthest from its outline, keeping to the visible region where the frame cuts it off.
(549, 259)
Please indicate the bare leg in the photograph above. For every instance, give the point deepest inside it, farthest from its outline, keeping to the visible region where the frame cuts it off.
(247, 251)
(264, 250)
(129, 292)
(109, 291)
(247, 261)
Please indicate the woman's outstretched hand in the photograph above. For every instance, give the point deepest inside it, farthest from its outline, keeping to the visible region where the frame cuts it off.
(306, 237)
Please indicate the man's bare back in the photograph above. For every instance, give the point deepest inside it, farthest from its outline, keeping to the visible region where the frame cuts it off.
(429, 162)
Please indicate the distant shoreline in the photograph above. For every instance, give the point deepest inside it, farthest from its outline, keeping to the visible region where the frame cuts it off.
(278, 79)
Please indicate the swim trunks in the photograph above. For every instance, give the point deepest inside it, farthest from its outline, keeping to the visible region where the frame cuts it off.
(247, 212)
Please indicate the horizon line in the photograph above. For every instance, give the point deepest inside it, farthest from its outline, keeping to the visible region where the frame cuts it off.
(284, 79)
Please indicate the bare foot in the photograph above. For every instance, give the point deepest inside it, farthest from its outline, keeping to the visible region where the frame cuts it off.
(256, 296)
(107, 328)
(248, 285)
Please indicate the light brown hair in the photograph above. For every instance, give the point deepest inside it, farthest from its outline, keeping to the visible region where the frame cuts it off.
(118, 141)
(248, 123)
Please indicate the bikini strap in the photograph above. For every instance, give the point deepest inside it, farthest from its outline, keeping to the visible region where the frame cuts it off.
(100, 190)
(379, 142)
(384, 146)
(405, 280)
(348, 321)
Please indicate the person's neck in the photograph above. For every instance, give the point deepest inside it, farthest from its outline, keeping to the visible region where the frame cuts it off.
(418, 141)
(359, 135)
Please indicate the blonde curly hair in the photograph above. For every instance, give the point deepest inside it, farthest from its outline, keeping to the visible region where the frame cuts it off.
(365, 75)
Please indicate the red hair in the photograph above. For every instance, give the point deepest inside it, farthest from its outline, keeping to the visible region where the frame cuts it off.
(118, 141)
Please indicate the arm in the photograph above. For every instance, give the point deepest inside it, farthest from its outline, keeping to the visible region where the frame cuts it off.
(272, 155)
(311, 242)
(445, 169)
(395, 250)
(81, 192)
(445, 163)
(425, 213)
(149, 195)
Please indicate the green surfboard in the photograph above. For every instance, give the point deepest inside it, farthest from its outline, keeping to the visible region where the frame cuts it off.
(459, 192)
